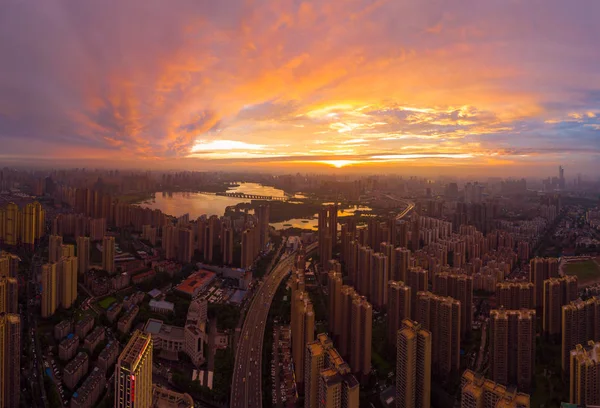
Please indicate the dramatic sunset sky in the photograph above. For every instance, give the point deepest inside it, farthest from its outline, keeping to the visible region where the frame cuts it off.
(479, 84)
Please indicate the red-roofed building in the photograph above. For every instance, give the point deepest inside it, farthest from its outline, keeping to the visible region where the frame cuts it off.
(196, 283)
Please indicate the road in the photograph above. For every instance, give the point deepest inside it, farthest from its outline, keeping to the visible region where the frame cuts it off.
(409, 206)
(246, 387)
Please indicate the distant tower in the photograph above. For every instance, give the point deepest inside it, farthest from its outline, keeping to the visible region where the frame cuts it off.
(108, 254)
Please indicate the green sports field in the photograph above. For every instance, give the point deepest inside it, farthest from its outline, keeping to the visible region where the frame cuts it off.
(106, 302)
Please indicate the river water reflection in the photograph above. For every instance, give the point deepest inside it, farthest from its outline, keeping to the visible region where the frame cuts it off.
(197, 204)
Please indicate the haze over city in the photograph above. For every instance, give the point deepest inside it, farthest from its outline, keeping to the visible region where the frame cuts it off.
(504, 87)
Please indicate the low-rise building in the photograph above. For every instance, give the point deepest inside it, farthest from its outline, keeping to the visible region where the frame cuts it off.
(75, 370)
(120, 281)
(125, 322)
(108, 356)
(161, 306)
(134, 299)
(94, 338)
(83, 327)
(92, 388)
(189, 339)
(196, 283)
(68, 347)
(113, 311)
(165, 398)
(62, 329)
(143, 277)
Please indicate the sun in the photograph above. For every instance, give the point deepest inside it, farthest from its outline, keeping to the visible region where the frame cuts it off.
(338, 164)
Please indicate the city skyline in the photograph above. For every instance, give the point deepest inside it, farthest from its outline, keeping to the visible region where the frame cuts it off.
(497, 88)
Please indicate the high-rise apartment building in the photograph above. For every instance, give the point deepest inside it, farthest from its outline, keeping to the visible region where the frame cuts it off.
(201, 226)
(442, 317)
(50, 298)
(479, 392)
(459, 287)
(541, 269)
(9, 295)
(210, 235)
(398, 308)
(328, 381)
(327, 232)
(413, 366)
(83, 254)
(169, 240)
(133, 373)
(584, 376)
(66, 272)
(361, 327)
(515, 295)
(365, 257)
(250, 247)
(557, 293)
(108, 254)
(401, 264)
(227, 246)
(9, 264)
(263, 224)
(415, 232)
(512, 347)
(346, 298)
(335, 303)
(10, 352)
(417, 280)
(580, 324)
(379, 279)
(403, 227)
(303, 332)
(55, 243)
(185, 245)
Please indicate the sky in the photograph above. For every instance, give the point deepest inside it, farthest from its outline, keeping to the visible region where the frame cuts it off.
(497, 86)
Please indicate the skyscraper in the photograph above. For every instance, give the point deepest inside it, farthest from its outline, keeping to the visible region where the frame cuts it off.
(417, 280)
(442, 317)
(361, 327)
(49, 290)
(365, 257)
(169, 240)
(398, 308)
(557, 293)
(9, 293)
(108, 254)
(133, 373)
(479, 392)
(54, 248)
(515, 295)
(459, 287)
(83, 254)
(328, 382)
(209, 238)
(185, 245)
(263, 224)
(512, 347)
(66, 271)
(227, 246)
(413, 366)
(335, 303)
(401, 265)
(346, 298)
(580, 323)
(10, 352)
(327, 229)
(379, 279)
(585, 374)
(541, 269)
(415, 239)
(403, 234)
(303, 331)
